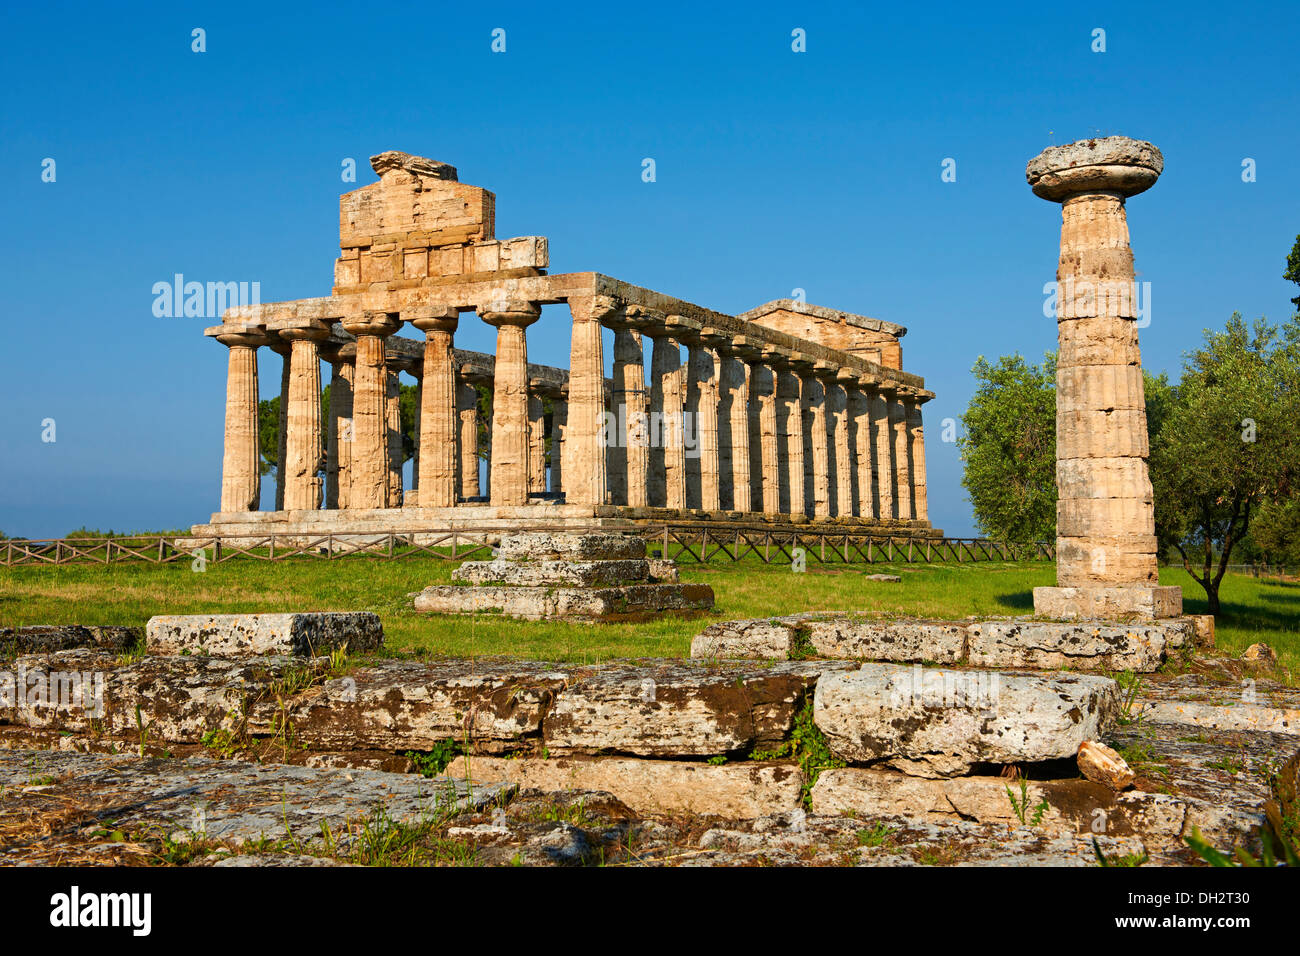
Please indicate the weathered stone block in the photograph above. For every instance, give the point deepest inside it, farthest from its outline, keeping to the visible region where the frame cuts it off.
(771, 639)
(1094, 645)
(1102, 603)
(625, 602)
(241, 635)
(551, 546)
(932, 722)
(532, 573)
(46, 638)
(867, 639)
(679, 709)
(740, 790)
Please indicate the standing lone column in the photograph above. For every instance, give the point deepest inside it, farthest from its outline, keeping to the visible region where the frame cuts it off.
(369, 481)
(303, 452)
(241, 459)
(509, 483)
(438, 426)
(585, 442)
(1105, 517)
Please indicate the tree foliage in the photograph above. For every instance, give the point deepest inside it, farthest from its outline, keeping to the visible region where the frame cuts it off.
(1292, 273)
(1009, 449)
(1227, 443)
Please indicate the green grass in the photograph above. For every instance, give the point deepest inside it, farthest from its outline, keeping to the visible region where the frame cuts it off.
(1254, 610)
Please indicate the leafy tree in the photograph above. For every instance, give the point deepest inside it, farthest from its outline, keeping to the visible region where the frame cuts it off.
(1009, 449)
(1292, 273)
(1226, 444)
(1275, 532)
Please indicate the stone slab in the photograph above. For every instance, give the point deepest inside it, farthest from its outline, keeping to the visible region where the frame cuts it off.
(585, 574)
(1139, 602)
(624, 602)
(652, 787)
(44, 638)
(550, 546)
(934, 722)
(242, 635)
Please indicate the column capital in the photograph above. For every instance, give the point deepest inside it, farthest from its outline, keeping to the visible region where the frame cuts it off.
(516, 312)
(683, 328)
(597, 308)
(311, 333)
(645, 320)
(1111, 164)
(433, 318)
(247, 339)
(826, 371)
(382, 324)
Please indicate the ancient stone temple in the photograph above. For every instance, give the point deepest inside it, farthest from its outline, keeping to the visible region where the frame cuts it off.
(1105, 513)
(787, 414)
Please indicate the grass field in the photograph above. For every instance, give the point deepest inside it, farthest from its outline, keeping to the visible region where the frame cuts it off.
(1254, 610)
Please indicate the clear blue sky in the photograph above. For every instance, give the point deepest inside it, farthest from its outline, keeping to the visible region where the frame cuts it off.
(775, 170)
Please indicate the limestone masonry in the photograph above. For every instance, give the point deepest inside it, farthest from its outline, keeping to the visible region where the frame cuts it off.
(789, 413)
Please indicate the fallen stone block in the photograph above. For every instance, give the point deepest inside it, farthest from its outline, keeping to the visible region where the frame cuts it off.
(1092, 644)
(46, 638)
(651, 787)
(1103, 765)
(408, 705)
(769, 638)
(884, 578)
(676, 709)
(902, 641)
(241, 635)
(626, 602)
(932, 722)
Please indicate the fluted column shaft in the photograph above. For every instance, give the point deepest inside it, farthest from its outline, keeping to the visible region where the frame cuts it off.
(303, 452)
(763, 381)
(393, 430)
(435, 476)
(585, 447)
(467, 439)
(916, 442)
(902, 473)
(882, 457)
(703, 405)
(814, 394)
(369, 483)
(735, 381)
(630, 409)
(241, 457)
(859, 414)
(282, 423)
(790, 440)
(559, 426)
(667, 399)
(510, 421)
(536, 444)
(339, 437)
(841, 453)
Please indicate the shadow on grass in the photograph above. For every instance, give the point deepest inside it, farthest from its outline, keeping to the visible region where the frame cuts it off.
(1017, 600)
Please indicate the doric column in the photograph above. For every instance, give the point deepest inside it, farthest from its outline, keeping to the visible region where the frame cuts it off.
(393, 431)
(338, 451)
(667, 401)
(509, 479)
(369, 483)
(738, 493)
(559, 425)
(281, 347)
(536, 441)
(1105, 522)
(411, 497)
(837, 424)
(630, 408)
(882, 456)
(438, 422)
(819, 423)
(585, 442)
(764, 383)
(902, 465)
(789, 393)
(303, 452)
(916, 443)
(467, 438)
(241, 460)
(859, 416)
(702, 404)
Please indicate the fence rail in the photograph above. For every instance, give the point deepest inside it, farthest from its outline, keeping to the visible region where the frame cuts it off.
(683, 542)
